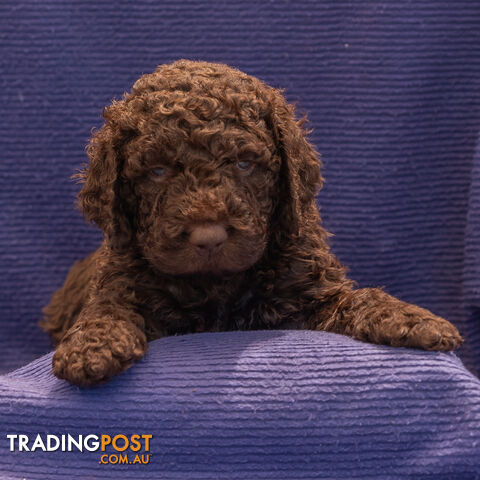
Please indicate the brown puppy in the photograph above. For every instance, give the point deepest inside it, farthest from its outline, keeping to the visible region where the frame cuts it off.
(203, 183)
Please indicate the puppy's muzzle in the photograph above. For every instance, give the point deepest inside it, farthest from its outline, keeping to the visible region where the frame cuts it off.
(208, 239)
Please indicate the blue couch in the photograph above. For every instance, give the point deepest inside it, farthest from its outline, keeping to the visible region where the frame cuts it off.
(255, 405)
(392, 90)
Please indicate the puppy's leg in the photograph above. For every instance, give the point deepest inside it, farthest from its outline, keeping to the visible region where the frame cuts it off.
(67, 302)
(371, 315)
(108, 335)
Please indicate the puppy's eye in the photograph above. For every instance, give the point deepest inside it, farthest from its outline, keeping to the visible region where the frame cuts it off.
(158, 172)
(245, 166)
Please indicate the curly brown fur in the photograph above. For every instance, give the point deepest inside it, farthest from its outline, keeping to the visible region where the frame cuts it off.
(203, 183)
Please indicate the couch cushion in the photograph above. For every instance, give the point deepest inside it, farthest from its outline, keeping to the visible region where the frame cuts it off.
(256, 405)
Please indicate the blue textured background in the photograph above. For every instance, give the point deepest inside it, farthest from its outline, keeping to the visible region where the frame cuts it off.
(392, 90)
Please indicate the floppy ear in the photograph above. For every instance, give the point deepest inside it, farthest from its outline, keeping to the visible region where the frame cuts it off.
(105, 191)
(300, 176)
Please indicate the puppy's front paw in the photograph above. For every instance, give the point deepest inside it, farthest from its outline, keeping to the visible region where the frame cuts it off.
(92, 352)
(417, 327)
(433, 333)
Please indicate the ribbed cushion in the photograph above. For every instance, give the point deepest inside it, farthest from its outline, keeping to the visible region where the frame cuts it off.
(258, 405)
(392, 90)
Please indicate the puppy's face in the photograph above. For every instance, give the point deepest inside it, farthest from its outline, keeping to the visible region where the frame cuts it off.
(200, 166)
(204, 191)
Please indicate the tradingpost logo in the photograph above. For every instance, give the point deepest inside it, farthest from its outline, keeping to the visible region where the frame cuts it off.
(115, 449)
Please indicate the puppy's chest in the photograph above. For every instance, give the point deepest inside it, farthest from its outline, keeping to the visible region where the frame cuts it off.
(174, 312)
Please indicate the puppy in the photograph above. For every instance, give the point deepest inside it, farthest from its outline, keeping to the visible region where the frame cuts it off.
(203, 183)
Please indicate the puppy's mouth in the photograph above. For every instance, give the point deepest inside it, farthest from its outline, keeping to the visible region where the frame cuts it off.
(217, 265)
(212, 250)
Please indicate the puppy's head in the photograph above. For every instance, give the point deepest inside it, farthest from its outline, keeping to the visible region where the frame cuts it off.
(201, 167)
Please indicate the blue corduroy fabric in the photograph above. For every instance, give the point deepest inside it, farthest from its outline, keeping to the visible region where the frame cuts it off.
(392, 90)
(393, 94)
(257, 405)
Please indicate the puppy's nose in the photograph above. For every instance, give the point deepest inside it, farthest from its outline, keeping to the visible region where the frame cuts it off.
(208, 238)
